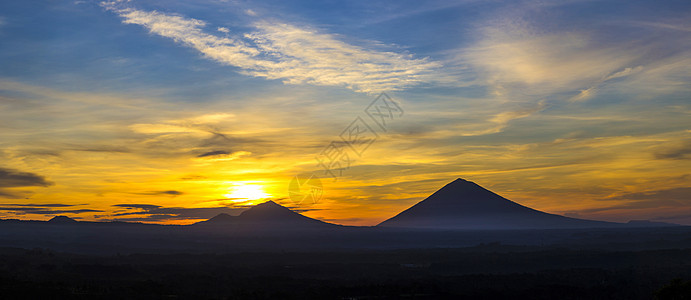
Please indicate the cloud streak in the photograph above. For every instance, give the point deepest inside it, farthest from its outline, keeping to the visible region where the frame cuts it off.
(150, 212)
(517, 61)
(15, 179)
(680, 151)
(165, 193)
(521, 54)
(12, 178)
(293, 54)
(44, 209)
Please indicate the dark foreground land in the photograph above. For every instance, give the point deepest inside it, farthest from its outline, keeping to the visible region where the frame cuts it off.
(490, 271)
(81, 260)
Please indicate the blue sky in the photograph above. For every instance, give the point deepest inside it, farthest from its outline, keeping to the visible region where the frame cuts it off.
(572, 107)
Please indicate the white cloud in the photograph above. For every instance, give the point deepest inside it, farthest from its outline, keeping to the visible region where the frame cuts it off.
(591, 91)
(250, 12)
(522, 59)
(223, 29)
(584, 94)
(305, 56)
(290, 53)
(522, 55)
(544, 63)
(624, 73)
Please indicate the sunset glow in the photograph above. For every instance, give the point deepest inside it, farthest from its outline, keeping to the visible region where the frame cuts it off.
(242, 193)
(167, 112)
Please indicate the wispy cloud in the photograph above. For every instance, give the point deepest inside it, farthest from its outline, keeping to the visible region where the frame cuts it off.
(153, 213)
(200, 136)
(164, 193)
(666, 200)
(679, 150)
(515, 60)
(221, 155)
(499, 121)
(138, 206)
(44, 209)
(591, 91)
(521, 54)
(15, 179)
(214, 153)
(293, 54)
(12, 178)
(675, 195)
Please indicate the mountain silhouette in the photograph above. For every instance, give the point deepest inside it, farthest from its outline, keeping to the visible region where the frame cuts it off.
(648, 223)
(221, 218)
(463, 204)
(267, 215)
(62, 220)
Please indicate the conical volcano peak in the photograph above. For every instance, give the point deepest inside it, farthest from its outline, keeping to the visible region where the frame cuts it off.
(463, 204)
(460, 182)
(461, 190)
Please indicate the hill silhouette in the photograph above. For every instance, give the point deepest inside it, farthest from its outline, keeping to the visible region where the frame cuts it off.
(267, 215)
(463, 204)
(62, 220)
(220, 219)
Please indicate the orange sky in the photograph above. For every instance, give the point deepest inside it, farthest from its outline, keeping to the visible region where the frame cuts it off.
(165, 114)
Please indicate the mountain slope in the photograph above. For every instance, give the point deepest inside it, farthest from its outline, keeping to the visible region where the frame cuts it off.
(220, 219)
(463, 204)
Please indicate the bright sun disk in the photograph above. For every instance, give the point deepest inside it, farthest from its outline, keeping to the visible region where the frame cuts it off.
(247, 192)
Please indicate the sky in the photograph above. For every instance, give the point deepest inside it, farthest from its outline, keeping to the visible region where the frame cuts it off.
(174, 111)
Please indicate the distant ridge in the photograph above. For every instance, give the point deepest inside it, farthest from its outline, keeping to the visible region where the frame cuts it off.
(62, 220)
(463, 204)
(648, 223)
(266, 215)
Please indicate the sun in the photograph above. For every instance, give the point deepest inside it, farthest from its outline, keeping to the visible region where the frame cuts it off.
(246, 192)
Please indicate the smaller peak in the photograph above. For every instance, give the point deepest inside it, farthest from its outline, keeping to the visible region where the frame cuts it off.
(222, 217)
(62, 219)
